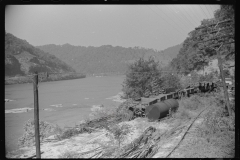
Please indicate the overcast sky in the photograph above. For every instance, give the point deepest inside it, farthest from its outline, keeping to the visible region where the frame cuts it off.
(150, 26)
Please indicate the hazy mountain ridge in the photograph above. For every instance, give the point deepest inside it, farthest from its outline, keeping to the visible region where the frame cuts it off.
(21, 58)
(106, 58)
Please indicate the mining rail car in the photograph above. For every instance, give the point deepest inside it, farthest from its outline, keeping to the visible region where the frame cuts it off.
(202, 87)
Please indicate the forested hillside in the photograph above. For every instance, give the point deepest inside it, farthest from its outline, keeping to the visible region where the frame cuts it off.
(21, 58)
(105, 59)
(192, 57)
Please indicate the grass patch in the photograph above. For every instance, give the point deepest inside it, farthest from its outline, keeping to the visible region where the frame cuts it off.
(187, 106)
(192, 103)
(183, 114)
(67, 133)
(218, 129)
(215, 136)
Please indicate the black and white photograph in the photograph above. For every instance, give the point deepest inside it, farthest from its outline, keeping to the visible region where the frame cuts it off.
(119, 81)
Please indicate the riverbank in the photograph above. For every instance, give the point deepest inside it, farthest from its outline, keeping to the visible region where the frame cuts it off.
(196, 118)
(24, 79)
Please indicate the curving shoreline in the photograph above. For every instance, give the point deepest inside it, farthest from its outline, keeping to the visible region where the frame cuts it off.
(19, 110)
(23, 79)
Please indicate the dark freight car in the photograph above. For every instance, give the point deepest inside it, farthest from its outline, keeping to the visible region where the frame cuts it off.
(161, 109)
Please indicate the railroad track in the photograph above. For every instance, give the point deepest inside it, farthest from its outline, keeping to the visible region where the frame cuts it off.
(186, 132)
(153, 144)
(175, 136)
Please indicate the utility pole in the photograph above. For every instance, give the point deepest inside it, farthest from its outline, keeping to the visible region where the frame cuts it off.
(217, 48)
(223, 81)
(36, 114)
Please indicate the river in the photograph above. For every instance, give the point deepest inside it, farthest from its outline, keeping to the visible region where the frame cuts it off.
(64, 103)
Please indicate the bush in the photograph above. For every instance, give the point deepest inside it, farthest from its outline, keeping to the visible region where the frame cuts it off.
(120, 113)
(99, 112)
(216, 120)
(46, 129)
(68, 133)
(171, 81)
(119, 132)
(192, 103)
(186, 105)
(182, 114)
(208, 77)
(142, 75)
(123, 114)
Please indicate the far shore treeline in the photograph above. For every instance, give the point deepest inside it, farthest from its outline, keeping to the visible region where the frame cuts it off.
(43, 78)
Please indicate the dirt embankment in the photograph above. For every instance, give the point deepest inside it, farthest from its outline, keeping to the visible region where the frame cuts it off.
(199, 129)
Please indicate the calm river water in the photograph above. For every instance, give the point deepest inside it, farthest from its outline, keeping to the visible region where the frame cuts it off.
(61, 102)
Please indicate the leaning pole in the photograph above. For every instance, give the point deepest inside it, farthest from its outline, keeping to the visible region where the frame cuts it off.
(36, 114)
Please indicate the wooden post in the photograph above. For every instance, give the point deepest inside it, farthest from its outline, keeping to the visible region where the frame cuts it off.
(36, 114)
(223, 83)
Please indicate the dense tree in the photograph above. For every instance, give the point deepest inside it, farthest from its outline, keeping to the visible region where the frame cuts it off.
(170, 77)
(191, 58)
(140, 78)
(225, 12)
(227, 73)
(171, 80)
(12, 70)
(208, 77)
